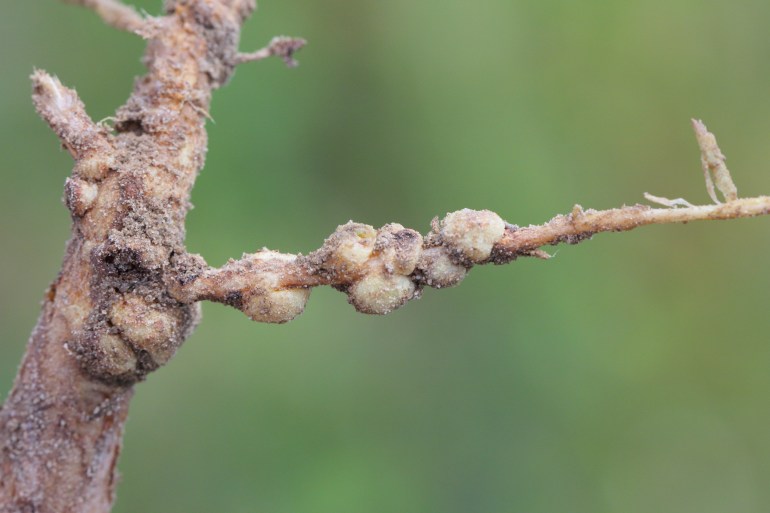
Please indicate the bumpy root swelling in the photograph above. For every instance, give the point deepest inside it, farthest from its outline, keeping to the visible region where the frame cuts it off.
(379, 270)
(127, 295)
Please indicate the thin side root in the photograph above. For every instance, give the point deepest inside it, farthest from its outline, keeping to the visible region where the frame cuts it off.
(666, 202)
(114, 14)
(713, 162)
(281, 46)
(65, 113)
(382, 269)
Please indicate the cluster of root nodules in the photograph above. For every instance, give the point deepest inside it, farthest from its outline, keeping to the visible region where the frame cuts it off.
(379, 270)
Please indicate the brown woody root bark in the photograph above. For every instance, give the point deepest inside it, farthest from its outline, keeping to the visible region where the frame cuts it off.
(108, 319)
(126, 297)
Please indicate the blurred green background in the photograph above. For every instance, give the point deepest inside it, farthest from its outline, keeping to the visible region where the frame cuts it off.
(628, 374)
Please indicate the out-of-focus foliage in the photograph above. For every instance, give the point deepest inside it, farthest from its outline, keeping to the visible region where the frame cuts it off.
(627, 374)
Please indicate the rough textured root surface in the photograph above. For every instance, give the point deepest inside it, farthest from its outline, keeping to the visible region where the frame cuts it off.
(381, 270)
(60, 434)
(114, 13)
(108, 319)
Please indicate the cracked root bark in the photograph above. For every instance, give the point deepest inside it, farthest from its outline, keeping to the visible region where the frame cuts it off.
(127, 294)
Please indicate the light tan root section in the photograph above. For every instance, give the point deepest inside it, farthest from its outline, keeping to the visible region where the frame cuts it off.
(380, 270)
(280, 46)
(114, 14)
